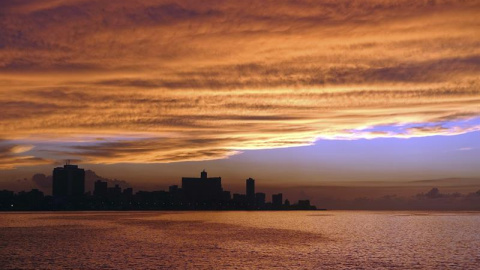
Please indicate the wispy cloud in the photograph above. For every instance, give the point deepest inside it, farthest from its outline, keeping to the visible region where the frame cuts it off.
(206, 80)
(10, 156)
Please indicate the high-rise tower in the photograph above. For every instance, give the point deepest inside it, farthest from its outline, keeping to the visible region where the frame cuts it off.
(68, 181)
(250, 186)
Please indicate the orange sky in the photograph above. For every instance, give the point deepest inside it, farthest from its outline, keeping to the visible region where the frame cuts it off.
(106, 82)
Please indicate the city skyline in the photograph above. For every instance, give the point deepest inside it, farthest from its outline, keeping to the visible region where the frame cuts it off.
(70, 181)
(69, 193)
(239, 134)
(321, 97)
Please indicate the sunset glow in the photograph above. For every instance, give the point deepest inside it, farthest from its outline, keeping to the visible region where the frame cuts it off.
(156, 81)
(239, 134)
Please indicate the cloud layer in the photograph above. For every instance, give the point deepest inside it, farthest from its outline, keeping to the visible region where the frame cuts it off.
(166, 81)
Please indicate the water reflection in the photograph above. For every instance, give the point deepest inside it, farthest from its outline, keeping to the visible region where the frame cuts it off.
(244, 240)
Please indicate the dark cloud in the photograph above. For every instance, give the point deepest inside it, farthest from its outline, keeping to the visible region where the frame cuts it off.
(91, 177)
(42, 181)
(154, 150)
(295, 74)
(68, 30)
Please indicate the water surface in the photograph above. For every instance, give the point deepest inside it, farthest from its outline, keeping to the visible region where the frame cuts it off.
(240, 240)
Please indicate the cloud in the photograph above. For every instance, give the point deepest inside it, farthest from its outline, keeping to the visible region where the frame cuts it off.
(206, 81)
(10, 158)
(20, 148)
(42, 181)
(431, 200)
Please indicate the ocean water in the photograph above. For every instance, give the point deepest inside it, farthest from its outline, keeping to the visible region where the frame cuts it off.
(240, 240)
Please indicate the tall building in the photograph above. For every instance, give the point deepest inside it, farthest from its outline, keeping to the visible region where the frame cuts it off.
(250, 186)
(203, 189)
(68, 181)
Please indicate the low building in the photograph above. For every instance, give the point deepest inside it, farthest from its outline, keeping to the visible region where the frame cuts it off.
(203, 189)
(277, 200)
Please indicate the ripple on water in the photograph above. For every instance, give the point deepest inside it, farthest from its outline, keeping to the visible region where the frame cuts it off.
(240, 240)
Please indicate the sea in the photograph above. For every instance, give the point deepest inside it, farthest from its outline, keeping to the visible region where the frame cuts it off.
(240, 240)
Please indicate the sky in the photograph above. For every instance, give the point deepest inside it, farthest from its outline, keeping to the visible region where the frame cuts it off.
(291, 93)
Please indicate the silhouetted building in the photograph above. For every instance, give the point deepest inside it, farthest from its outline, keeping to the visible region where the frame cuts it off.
(203, 189)
(239, 198)
(176, 194)
(226, 196)
(68, 181)
(250, 190)
(101, 188)
(260, 199)
(173, 189)
(6, 199)
(304, 203)
(277, 200)
(114, 192)
(30, 200)
(128, 192)
(201, 193)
